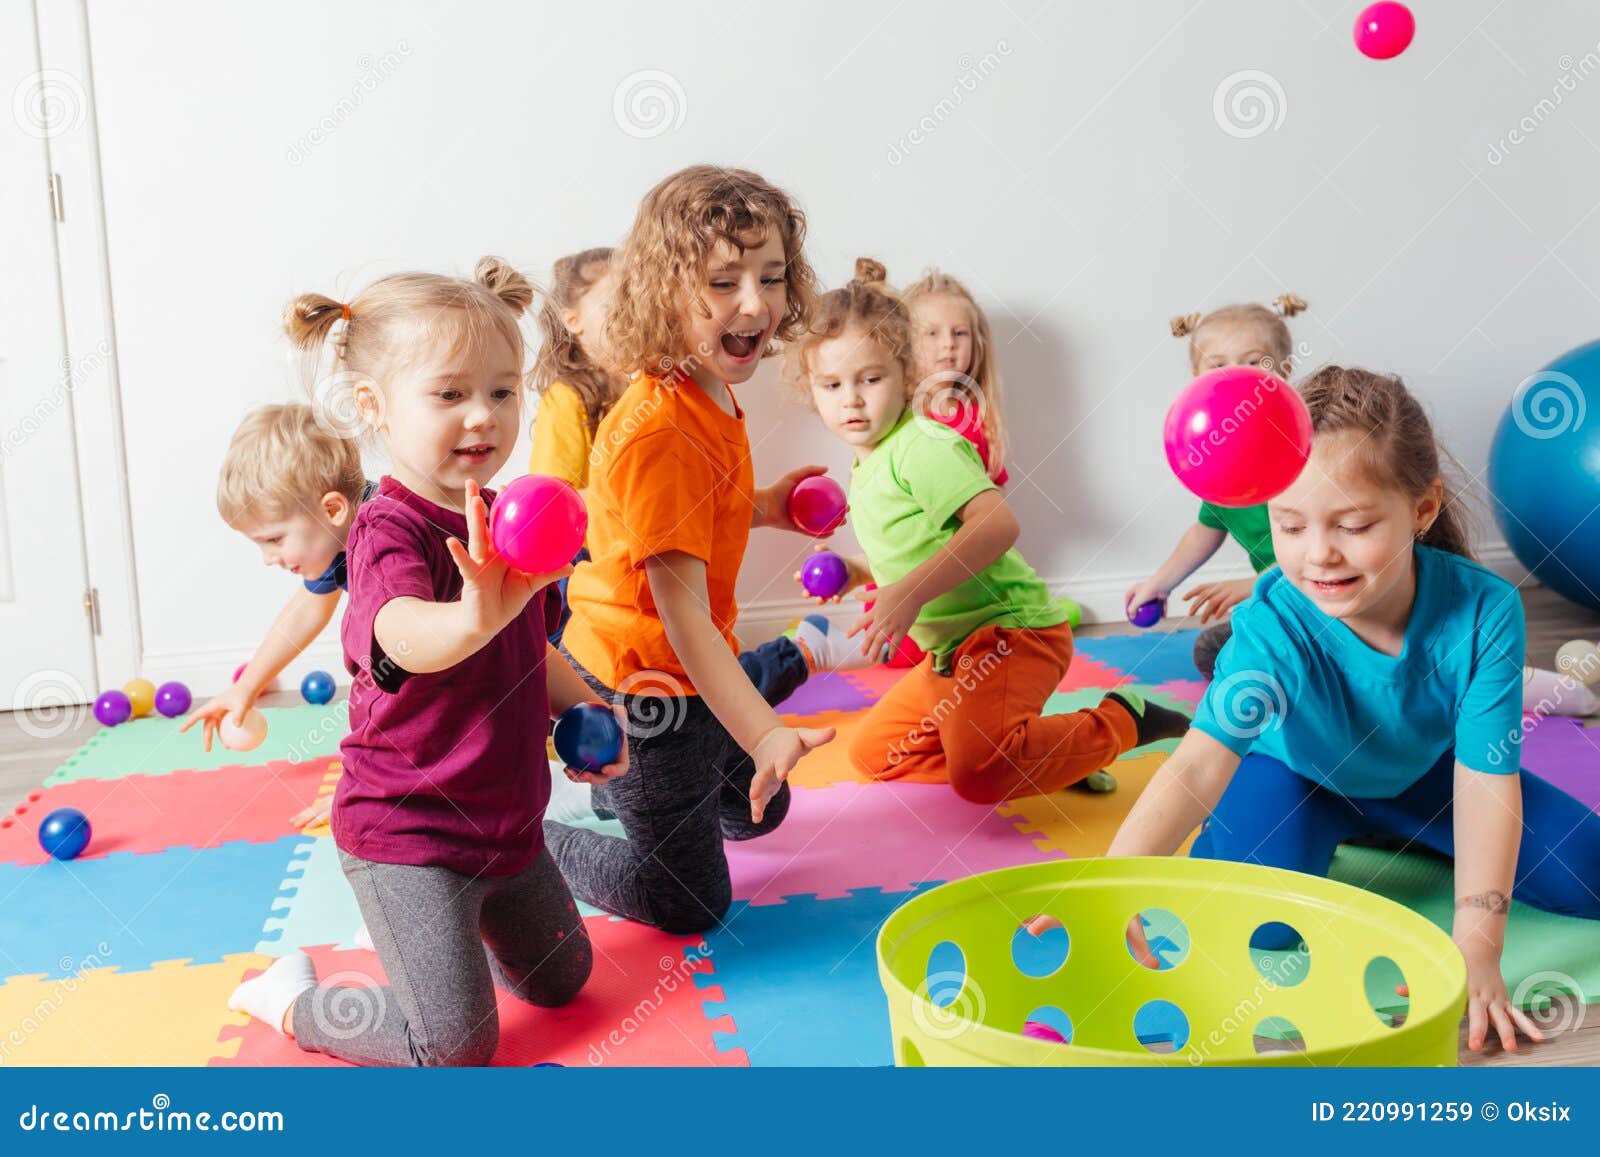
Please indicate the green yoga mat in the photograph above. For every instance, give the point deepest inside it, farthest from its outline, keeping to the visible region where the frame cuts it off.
(153, 746)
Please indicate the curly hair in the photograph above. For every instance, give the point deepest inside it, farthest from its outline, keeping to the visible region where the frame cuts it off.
(561, 356)
(985, 371)
(1397, 447)
(661, 268)
(867, 301)
(1267, 318)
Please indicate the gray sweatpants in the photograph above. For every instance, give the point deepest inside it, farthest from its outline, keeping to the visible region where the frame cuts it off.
(1208, 645)
(445, 939)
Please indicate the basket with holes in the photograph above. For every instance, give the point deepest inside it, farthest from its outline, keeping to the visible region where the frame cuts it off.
(1166, 961)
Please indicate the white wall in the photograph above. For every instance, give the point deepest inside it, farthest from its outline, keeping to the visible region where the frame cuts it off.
(1077, 178)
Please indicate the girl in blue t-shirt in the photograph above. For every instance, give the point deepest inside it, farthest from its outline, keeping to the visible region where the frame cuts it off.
(1373, 687)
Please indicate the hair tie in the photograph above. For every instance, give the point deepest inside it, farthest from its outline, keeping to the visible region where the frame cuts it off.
(344, 312)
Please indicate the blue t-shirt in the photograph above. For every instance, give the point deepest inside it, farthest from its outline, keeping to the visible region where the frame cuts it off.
(1301, 687)
(337, 576)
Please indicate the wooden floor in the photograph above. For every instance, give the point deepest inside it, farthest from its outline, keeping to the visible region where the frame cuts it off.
(1552, 621)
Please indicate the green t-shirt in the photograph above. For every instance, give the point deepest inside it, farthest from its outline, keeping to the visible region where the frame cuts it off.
(1250, 528)
(903, 502)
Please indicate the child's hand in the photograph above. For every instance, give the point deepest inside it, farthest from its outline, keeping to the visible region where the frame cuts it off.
(773, 502)
(1141, 593)
(315, 814)
(894, 611)
(1489, 1003)
(775, 756)
(857, 575)
(492, 591)
(1210, 602)
(611, 770)
(232, 703)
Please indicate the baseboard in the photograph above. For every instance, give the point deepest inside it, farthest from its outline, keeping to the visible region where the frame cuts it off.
(211, 670)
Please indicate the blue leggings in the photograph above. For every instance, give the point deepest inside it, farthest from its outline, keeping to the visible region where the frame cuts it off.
(1272, 816)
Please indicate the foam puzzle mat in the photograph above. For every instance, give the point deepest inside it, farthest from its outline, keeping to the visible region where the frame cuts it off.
(195, 879)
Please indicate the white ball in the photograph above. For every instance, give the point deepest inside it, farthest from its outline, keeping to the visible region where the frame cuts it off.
(247, 737)
(1580, 659)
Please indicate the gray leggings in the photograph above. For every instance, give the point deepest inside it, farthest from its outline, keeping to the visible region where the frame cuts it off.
(1208, 645)
(444, 940)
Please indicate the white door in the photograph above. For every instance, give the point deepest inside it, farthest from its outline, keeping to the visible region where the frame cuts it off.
(46, 638)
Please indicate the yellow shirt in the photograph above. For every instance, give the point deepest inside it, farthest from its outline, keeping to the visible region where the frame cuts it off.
(561, 439)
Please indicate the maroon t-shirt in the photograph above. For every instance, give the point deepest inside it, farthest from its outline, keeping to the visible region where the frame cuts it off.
(444, 769)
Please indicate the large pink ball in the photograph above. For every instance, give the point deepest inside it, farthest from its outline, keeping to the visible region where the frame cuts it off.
(1238, 436)
(1384, 30)
(817, 504)
(538, 523)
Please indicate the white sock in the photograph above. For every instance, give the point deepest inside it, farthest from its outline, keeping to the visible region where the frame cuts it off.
(1547, 693)
(363, 939)
(828, 647)
(268, 996)
(568, 801)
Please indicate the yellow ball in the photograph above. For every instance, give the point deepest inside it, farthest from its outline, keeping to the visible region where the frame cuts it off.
(142, 694)
(1579, 659)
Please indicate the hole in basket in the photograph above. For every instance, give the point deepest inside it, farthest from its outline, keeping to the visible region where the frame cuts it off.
(1039, 954)
(1048, 1023)
(1161, 1027)
(1278, 1034)
(1157, 939)
(947, 972)
(1384, 982)
(1280, 954)
(910, 1058)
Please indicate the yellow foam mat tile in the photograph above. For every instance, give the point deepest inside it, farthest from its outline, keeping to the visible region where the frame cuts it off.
(1079, 823)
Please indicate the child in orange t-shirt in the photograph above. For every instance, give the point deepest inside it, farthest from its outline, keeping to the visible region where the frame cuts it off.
(712, 273)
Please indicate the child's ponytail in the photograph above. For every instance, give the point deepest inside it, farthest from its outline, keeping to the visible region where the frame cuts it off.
(506, 282)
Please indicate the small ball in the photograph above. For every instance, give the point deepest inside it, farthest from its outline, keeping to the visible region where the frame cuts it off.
(537, 523)
(245, 737)
(318, 687)
(1580, 659)
(817, 504)
(824, 575)
(1147, 614)
(1038, 1030)
(588, 736)
(65, 833)
(1384, 30)
(173, 699)
(141, 695)
(1238, 436)
(112, 708)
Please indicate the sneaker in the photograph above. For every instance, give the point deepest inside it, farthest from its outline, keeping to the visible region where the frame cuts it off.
(827, 649)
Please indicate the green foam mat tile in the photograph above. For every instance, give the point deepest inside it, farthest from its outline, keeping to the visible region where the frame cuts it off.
(153, 746)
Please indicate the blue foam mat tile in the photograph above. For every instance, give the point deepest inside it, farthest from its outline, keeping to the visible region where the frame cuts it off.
(133, 909)
(1150, 657)
(800, 979)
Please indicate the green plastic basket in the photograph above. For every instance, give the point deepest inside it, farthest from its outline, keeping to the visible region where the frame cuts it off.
(963, 978)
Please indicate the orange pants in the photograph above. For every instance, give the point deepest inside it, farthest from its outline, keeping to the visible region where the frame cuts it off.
(979, 728)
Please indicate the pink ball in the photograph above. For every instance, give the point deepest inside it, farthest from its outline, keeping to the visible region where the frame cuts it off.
(538, 523)
(1384, 30)
(817, 504)
(1038, 1030)
(1238, 436)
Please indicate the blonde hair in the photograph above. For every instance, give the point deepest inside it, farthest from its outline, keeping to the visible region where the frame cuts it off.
(387, 319)
(1267, 318)
(985, 371)
(561, 356)
(661, 267)
(866, 301)
(1397, 446)
(282, 459)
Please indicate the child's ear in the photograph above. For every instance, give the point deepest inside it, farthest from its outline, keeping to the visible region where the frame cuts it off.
(337, 507)
(369, 403)
(569, 318)
(1429, 505)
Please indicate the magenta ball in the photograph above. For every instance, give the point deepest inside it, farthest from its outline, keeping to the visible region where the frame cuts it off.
(1146, 614)
(113, 708)
(239, 670)
(817, 504)
(824, 575)
(1384, 30)
(173, 699)
(1038, 1030)
(1238, 436)
(538, 523)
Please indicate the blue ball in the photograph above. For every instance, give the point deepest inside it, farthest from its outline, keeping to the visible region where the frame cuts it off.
(64, 833)
(1544, 474)
(588, 736)
(318, 687)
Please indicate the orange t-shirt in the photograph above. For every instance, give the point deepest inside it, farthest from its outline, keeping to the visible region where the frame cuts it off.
(669, 471)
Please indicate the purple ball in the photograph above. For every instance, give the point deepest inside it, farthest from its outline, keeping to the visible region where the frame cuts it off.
(113, 708)
(173, 699)
(824, 575)
(1147, 614)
